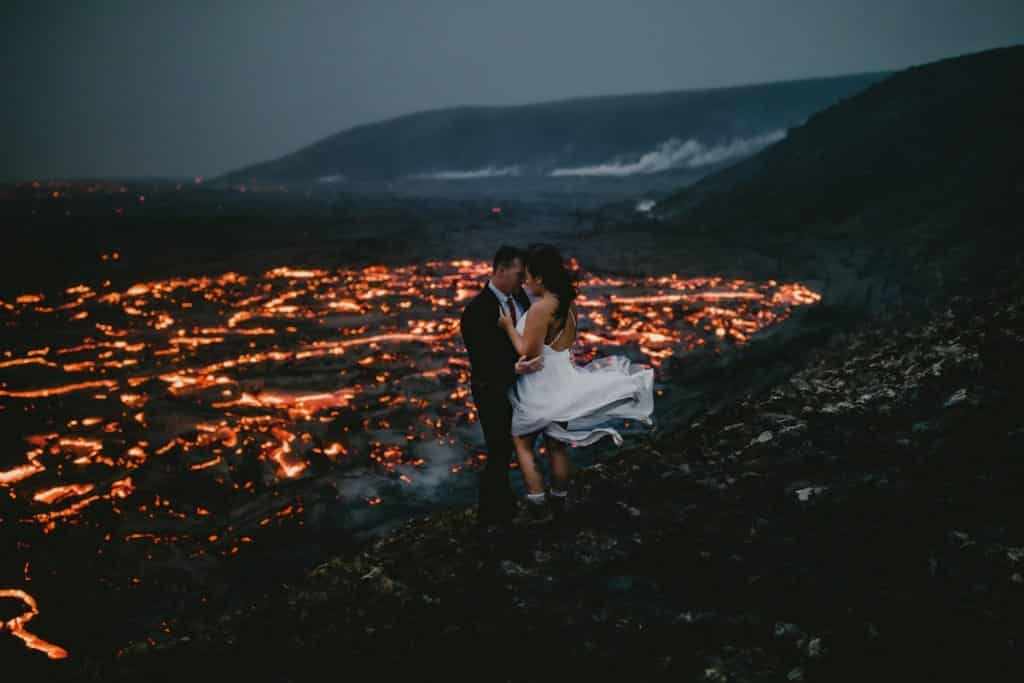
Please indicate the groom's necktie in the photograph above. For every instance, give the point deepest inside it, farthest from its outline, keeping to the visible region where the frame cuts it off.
(511, 309)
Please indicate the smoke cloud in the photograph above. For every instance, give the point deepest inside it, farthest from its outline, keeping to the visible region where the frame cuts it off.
(674, 153)
(488, 172)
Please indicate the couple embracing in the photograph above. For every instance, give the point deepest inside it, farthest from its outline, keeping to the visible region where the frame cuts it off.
(519, 331)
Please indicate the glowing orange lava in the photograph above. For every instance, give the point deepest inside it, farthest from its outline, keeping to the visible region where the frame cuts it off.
(229, 389)
(17, 625)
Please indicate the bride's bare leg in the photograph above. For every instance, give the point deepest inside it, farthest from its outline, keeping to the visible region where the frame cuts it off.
(532, 477)
(559, 463)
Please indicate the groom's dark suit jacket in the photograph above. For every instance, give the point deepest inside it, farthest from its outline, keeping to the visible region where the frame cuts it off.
(492, 358)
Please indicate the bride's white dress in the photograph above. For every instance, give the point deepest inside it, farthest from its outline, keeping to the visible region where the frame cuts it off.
(587, 398)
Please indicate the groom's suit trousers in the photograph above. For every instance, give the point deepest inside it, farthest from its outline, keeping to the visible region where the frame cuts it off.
(496, 503)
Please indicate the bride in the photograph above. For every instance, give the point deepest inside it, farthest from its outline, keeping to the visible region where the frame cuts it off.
(570, 405)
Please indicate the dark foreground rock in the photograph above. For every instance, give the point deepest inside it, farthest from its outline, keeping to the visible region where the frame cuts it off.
(859, 520)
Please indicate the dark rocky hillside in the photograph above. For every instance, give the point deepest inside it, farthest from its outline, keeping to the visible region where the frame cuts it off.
(539, 137)
(922, 172)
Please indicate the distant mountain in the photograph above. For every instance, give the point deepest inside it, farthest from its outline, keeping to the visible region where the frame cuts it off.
(924, 169)
(595, 137)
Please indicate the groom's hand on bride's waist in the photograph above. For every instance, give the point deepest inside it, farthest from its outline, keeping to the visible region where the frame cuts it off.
(525, 367)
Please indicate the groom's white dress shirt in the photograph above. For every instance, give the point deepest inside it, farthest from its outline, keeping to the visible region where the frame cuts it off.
(503, 300)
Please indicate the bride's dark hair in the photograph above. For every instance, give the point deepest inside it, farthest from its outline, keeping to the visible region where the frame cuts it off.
(544, 261)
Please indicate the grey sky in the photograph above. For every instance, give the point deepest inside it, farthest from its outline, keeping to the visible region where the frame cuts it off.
(184, 87)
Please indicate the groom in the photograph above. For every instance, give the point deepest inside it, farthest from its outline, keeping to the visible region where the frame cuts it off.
(493, 369)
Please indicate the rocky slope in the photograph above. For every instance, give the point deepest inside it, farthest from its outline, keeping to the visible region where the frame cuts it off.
(927, 136)
(859, 519)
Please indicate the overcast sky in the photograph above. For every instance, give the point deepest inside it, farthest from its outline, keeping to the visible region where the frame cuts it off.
(200, 87)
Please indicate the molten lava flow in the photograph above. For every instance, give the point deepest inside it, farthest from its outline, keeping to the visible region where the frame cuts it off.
(58, 493)
(118, 489)
(20, 472)
(237, 392)
(17, 625)
(56, 391)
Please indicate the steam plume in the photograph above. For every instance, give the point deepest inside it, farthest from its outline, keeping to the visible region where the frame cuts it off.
(487, 172)
(674, 153)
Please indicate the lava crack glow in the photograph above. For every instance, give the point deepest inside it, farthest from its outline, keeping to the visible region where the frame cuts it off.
(16, 626)
(193, 413)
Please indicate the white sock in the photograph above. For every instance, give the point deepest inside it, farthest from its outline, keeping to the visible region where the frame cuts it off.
(559, 494)
(536, 498)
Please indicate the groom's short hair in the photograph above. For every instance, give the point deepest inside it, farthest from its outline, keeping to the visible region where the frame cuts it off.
(506, 255)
